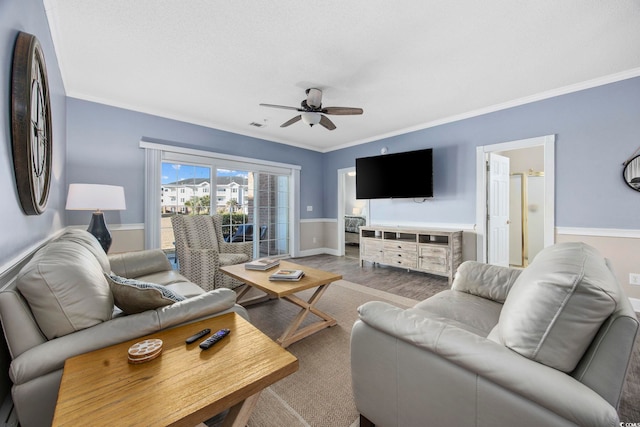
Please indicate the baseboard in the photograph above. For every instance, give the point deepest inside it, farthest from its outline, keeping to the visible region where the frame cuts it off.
(318, 251)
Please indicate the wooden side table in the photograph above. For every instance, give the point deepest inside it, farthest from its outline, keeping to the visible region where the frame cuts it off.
(182, 387)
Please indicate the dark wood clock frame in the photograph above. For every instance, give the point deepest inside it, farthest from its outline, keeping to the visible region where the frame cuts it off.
(31, 124)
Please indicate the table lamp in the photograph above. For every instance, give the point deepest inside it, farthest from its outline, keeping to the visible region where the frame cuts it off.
(98, 198)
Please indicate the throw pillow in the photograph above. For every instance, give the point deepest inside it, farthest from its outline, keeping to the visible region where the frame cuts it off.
(557, 305)
(134, 296)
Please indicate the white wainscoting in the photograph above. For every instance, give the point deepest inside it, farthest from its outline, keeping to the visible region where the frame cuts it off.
(621, 247)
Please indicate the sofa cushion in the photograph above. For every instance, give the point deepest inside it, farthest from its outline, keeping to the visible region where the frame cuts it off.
(65, 288)
(557, 305)
(469, 312)
(135, 296)
(88, 240)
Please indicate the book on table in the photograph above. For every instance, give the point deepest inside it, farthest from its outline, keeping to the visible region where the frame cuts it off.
(287, 275)
(262, 264)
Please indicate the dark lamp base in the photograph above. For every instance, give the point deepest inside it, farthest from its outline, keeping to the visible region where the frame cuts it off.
(99, 229)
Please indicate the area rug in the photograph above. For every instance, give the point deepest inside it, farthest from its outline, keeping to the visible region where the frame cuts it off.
(319, 393)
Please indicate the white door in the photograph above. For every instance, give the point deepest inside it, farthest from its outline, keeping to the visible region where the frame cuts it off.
(498, 210)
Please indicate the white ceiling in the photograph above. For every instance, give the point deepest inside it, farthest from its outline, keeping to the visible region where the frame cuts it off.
(409, 64)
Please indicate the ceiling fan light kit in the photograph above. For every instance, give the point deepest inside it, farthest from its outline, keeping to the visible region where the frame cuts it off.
(312, 112)
(310, 118)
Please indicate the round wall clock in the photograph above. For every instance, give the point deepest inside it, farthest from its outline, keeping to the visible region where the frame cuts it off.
(30, 124)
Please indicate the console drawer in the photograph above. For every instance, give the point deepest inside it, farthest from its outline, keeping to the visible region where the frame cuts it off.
(397, 245)
(400, 259)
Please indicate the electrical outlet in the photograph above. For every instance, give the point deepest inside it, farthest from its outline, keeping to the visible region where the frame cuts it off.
(634, 279)
(315, 240)
(309, 208)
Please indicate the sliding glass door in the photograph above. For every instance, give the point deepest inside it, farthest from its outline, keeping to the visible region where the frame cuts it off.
(255, 204)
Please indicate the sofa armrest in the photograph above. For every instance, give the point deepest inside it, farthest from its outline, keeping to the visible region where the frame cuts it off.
(237, 248)
(484, 280)
(139, 263)
(558, 392)
(51, 355)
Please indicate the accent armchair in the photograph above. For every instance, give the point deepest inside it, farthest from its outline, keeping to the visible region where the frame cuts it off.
(202, 250)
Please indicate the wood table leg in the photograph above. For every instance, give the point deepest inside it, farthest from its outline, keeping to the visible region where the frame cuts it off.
(252, 300)
(292, 334)
(239, 414)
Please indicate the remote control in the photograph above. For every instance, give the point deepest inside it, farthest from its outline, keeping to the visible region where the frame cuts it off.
(206, 344)
(194, 338)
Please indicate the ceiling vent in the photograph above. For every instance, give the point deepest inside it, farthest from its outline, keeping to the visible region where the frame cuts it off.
(256, 124)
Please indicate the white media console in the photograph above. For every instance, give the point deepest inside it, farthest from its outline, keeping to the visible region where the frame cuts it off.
(436, 251)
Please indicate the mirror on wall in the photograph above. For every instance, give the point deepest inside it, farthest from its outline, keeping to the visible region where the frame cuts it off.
(631, 173)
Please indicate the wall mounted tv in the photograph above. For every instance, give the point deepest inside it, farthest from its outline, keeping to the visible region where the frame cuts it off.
(398, 175)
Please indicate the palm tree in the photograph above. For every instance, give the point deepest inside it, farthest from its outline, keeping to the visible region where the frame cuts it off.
(232, 205)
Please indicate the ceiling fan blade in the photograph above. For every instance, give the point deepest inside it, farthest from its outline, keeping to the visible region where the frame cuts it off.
(284, 107)
(324, 121)
(342, 111)
(292, 121)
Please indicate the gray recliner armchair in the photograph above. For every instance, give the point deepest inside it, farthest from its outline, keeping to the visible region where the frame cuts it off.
(545, 346)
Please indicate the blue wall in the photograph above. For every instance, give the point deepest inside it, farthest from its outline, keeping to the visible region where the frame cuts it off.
(596, 130)
(103, 147)
(17, 230)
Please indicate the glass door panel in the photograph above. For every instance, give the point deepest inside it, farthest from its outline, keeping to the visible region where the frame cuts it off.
(234, 197)
(185, 190)
(273, 210)
(255, 207)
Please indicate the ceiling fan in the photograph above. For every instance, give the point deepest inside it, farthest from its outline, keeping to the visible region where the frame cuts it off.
(312, 111)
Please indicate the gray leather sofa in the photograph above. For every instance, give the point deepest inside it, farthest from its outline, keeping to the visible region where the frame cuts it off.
(545, 346)
(60, 305)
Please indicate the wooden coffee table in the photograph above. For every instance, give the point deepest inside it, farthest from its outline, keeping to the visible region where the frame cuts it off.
(313, 278)
(182, 387)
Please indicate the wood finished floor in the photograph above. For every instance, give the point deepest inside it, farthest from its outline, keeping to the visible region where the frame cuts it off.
(397, 281)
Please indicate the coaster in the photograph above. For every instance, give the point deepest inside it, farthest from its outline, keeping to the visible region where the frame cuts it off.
(145, 351)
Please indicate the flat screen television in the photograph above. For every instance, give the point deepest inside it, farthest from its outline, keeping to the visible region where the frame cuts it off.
(398, 175)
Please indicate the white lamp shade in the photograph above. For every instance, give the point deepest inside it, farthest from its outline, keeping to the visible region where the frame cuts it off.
(310, 118)
(95, 197)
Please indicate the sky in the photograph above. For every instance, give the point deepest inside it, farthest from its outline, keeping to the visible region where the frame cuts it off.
(172, 172)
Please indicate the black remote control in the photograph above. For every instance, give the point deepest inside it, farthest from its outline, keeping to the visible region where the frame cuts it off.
(196, 337)
(206, 344)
